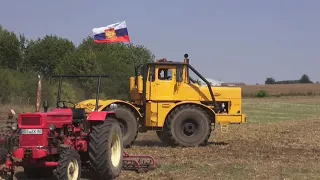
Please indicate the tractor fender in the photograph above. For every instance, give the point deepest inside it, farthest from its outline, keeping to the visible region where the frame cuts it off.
(107, 103)
(99, 115)
(206, 108)
(88, 104)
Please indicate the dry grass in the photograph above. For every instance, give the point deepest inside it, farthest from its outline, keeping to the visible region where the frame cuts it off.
(288, 89)
(280, 141)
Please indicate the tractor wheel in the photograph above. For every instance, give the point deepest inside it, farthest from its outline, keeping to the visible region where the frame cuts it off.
(129, 125)
(69, 167)
(189, 126)
(106, 149)
(164, 136)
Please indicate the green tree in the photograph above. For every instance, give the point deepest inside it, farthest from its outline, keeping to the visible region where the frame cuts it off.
(305, 79)
(43, 55)
(270, 80)
(23, 41)
(10, 56)
(21, 60)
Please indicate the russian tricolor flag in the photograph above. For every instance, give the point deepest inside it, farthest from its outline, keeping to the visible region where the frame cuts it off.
(112, 33)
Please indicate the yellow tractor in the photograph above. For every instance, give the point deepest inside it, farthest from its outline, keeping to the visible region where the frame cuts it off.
(165, 99)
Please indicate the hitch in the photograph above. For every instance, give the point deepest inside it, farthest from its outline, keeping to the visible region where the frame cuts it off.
(224, 128)
(138, 163)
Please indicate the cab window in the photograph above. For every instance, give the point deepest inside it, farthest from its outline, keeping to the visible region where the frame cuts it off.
(165, 74)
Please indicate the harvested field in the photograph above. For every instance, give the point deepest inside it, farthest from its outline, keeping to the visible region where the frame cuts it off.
(282, 89)
(280, 141)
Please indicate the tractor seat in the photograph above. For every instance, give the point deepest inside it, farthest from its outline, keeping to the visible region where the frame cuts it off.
(78, 113)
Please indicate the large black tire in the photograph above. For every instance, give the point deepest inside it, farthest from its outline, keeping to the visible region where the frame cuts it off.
(69, 165)
(188, 126)
(104, 160)
(164, 136)
(129, 125)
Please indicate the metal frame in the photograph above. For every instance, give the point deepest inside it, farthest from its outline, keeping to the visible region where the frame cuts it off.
(80, 76)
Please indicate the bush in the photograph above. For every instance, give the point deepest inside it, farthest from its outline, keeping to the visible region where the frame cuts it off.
(262, 93)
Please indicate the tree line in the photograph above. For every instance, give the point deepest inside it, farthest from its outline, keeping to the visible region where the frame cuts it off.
(22, 59)
(304, 79)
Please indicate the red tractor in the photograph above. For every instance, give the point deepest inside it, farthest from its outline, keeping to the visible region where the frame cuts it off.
(63, 141)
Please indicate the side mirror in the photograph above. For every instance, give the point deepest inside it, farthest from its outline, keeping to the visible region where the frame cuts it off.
(45, 106)
(179, 74)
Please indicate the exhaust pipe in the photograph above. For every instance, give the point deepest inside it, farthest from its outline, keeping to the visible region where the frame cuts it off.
(38, 102)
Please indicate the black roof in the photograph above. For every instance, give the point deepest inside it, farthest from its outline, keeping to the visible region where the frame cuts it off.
(167, 63)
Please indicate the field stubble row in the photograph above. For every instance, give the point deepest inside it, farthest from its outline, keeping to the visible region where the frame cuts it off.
(282, 89)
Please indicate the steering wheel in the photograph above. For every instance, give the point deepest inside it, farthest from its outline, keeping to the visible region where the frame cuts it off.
(64, 104)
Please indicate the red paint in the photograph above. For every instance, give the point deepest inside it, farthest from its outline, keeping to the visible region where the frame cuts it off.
(57, 117)
(36, 153)
(18, 153)
(39, 153)
(69, 142)
(99, 115)
(51, 164)
(34, 140)
(82, 145)
(125, 38)
(9, 163)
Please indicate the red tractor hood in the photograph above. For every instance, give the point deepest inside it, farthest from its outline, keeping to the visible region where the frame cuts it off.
(57, 117)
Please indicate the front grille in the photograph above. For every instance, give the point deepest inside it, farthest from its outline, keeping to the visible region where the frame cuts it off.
(30, 121)
(32, 140)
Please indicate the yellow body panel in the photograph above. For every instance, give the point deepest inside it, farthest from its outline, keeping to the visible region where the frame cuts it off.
(230, 119)
(151, 114)
(90, 105)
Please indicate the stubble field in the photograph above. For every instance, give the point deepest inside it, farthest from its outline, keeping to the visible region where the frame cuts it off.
(280, 141)
(282, 89)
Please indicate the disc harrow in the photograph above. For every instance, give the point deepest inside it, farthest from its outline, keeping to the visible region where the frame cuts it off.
(138, 163)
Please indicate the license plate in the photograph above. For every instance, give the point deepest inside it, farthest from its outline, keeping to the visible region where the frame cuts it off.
(31, 131)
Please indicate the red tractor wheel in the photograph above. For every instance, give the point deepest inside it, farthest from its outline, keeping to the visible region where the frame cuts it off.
(106, 149)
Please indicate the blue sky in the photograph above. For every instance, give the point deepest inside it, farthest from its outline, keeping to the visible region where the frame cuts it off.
(234, 40)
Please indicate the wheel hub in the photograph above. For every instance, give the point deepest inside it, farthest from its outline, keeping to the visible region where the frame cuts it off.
(73, 170)
(189, 128)
(115, 150)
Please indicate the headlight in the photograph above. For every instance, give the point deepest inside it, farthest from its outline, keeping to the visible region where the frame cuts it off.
(52, 127)
(14, 126)
(223, 106)
(113, 106)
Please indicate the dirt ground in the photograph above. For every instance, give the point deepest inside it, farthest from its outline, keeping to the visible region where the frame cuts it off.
(259, 150)
(288, 150)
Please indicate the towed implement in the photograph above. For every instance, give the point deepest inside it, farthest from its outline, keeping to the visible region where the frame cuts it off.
(65, 141)
(165, 99)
